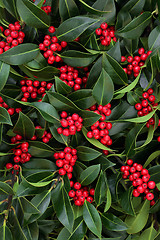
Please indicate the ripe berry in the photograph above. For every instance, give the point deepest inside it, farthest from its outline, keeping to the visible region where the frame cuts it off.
(9, 165)
(150, 196)
(71, 193)
(77, 185)
(151, 184)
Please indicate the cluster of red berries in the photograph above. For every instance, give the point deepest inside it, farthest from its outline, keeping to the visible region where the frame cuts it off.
(140, 179)
(72, 77)
(13, 36)
(79, 194)
(100, 129)
(21, 154)
(47, 9)
(33, 89)
(45, 137)
(71, 124)
(65, 160)
(11, 111)
(50, 46)
(106, 34)
(134, 64)
(146, 106)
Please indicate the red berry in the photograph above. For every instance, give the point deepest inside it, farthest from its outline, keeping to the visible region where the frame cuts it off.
(136, 193)
(9, 165)
(150, 196)
(151, 184)
(129, 161)
(77, 185)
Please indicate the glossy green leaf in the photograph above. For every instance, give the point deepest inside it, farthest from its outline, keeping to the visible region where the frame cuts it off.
(62, 87)
(103, 89)
(113, 223)
(89, 117)
(4, 116)
(11, 7)
(40, 149)
(130, 142)
(67, 9)
(59, 137)
(87, 154)
(5, 189)
(39, 179)
(74, 27)
(134, 7)
(89, 174)
(20, 54)
(154, 38)
(126, 202)
(154, 173)
(32, 15)
(94, 73)
(31, 231)
(129, 87)
(94, 141)
(136, 27)
(106, 5)
(151, 158)
(93, 10)
(5, 233)
(148, 234)
(63, 207)
(77, 58)
(27, 206)
(137, 223)
(47, 111)
(149, 137)
(100, 190)
(82, 98)
(114, 69)
(24, 126)
(79, 230)
(4, 73)
(92, 219)
(108, 201)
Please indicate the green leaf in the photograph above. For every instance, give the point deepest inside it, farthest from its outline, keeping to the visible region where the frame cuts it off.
(77, 58)
(103, 89)
(129, 87)
(149, 137)
(151, 158)
(87, 154)
(89, 174)
(59, 137)
(31, 231)
(136, 27)
(126, 202)
(74, 27)
(114, 69)
(92, 219)
(89, 117)
(62, 87)
(4, 116)
(130, 142)
(47, 111)
(4, 74)
(94, 141)
(79, 230)
(67, 9)
(5, 233)
(20, 54)
(137, 223)
(109, 200)
(24, 126)
(5, 189)
(148, 234)
(154, 173)
(106, 5)
(113, 223)
(61, 102)
(11, 7)
(18, 232)
(93, 10)
(40, 149)
(62, 206)
(94, 73)
(134, 7)
(39, 179)
(27, 206)
(46, 73)
(154, 38)
(100, 190)
(82, 98)
(41, 202)
(32, 15)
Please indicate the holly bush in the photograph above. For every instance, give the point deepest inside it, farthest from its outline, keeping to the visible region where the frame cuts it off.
(79, 119)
